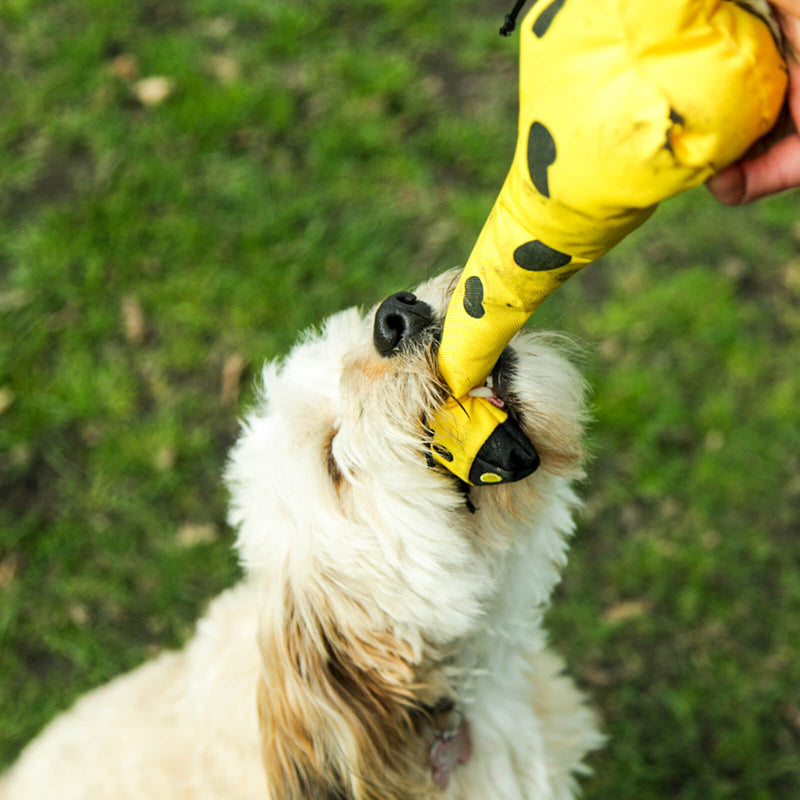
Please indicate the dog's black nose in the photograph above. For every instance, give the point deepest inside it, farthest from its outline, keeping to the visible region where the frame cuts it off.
(398, 319)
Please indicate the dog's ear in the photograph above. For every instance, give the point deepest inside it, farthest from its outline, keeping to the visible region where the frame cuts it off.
(337, 709)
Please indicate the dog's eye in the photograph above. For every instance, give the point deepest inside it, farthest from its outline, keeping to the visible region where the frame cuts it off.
(333, 468)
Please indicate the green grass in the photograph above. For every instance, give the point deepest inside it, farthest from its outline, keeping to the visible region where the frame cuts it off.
(312, 155)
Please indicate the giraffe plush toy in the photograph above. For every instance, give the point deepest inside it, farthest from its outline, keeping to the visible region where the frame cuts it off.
(623, 103)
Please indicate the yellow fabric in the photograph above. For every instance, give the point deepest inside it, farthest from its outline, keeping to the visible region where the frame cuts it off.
(459, 424)
(623, 103)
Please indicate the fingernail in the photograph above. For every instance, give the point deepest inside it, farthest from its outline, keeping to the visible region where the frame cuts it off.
(728, 186)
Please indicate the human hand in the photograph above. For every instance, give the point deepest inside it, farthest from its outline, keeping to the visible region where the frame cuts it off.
(778, 168)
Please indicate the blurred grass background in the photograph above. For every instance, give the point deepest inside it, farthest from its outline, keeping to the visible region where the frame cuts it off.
(185, 184)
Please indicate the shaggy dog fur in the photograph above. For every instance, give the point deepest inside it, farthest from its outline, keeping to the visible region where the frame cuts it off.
(377, 608)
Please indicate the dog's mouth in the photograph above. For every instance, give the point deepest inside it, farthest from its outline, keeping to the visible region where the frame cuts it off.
(508, 454)
(497, 389)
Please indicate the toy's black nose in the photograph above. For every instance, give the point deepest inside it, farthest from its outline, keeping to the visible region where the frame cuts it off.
(399, 318)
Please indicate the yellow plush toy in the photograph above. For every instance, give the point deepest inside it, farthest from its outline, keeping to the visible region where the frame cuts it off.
(623, 103)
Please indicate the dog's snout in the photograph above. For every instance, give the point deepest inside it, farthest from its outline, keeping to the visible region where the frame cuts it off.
(399, 318)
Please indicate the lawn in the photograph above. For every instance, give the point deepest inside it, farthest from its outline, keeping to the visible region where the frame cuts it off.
(186, 184)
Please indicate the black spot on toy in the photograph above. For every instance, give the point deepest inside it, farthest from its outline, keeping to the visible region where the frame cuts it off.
(541, 154)
(538, 257)
(442, 452)
(545, 20)
(674, 119)
(473, 297)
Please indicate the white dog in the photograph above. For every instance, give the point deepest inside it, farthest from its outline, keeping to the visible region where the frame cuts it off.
(387, 639)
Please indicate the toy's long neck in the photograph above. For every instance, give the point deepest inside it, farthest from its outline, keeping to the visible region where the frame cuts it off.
(621, 106)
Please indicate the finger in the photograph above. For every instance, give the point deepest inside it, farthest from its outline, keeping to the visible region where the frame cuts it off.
(775, 171)
(728, 185)
(789, 22)
(787, 6)
(793, 91)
